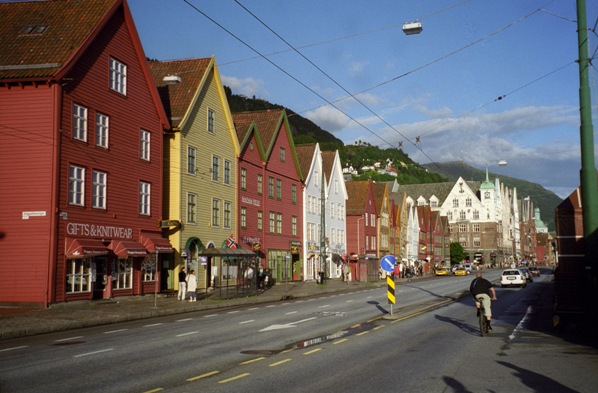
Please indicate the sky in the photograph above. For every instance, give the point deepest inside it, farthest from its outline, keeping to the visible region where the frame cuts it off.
(485, 81)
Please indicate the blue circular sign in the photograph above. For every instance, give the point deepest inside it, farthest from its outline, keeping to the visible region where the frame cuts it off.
(387, 263)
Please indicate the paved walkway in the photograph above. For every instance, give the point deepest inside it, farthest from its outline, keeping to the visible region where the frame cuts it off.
(16, 322)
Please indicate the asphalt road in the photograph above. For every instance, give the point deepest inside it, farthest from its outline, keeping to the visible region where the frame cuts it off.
(342, 342)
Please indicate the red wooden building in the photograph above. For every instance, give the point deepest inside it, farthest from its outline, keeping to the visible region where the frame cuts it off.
(270, 192)
(362, 230)
(81, 129)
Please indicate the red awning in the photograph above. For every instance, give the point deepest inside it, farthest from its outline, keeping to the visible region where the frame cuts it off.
(84, 248)
(127, 248)
(157, 244)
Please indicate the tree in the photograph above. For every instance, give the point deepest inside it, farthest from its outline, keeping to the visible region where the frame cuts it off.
(457, 253)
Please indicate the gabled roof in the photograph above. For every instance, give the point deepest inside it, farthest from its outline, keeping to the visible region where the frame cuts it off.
(177, 98)
(41, 38)
(266, 125)
(358, 195)
(328, 163)
(379, 194)
(440, 190)
(305, 155)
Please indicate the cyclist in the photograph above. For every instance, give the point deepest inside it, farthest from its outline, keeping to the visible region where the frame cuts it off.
(482, 290)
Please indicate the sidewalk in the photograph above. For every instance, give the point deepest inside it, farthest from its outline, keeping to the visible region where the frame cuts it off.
(64, 316)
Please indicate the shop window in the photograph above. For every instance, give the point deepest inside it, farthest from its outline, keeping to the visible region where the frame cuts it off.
(123, 271)
(78, 276)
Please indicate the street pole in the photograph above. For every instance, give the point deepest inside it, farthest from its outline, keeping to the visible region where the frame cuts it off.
(589, 181)
(322, 229)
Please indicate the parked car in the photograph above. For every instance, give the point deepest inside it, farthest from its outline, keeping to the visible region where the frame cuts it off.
(535, 271)
(512, 277)
(444, 271)
(460, 271)
(527, 274)
(468, 267)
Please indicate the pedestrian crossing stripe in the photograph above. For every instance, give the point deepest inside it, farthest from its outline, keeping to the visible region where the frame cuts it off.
(391, 289)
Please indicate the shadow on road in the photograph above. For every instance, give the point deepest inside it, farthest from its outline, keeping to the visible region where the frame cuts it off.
(467, 328)
(537, 382)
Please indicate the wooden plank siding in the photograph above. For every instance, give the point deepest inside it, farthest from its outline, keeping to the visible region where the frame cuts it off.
(128, 114)
(27, 141)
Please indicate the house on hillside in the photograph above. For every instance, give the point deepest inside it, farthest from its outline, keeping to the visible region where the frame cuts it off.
(270, 192)
(81, 154)
(201, 158)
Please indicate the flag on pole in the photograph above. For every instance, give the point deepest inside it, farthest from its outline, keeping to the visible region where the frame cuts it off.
(230, 242)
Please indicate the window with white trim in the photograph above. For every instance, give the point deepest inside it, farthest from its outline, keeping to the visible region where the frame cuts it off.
(279, 223)
(244, 179)
(144, 198)
(118, 76)
(124, 274)
(191, 208)
(76, 185)
(149, 268)
(211, 120)
(78, 275)
(215, 168)
(294, 226)
(228, 214)
(260, 220)
(227, 171)
(98, 190)
(215, 212)
(80, 122)
(191, 160)
(144, 145)
(272, 222)
(243, 217)
(102, 127)
(260, 184)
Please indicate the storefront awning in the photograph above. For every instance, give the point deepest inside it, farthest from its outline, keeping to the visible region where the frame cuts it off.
(127, 248)
(84, 248)
(156, 244)
(227, 252)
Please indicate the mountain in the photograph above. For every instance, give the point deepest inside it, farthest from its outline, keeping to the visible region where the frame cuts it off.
(544, 199)
(363, 154)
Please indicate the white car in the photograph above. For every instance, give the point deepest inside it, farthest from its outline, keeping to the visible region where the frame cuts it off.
(512, 277)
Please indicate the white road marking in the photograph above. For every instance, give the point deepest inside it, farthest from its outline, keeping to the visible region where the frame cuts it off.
(153, 324)
(249, 321)
(324, 306)
(68, 339)
(115, 331)
(13, 348)
(210, 316)
(93, 353)
(291, 312)
(187, 334)
(286, 325)
(184, 320)
(233, 312)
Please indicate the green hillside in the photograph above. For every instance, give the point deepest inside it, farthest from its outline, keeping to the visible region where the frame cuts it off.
(363, 154)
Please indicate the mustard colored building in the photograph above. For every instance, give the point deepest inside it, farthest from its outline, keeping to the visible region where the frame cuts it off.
(200, 165)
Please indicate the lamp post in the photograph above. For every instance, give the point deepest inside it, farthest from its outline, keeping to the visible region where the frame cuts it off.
(589, 183)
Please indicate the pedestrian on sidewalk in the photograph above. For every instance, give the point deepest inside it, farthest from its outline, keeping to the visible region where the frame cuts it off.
(192, 286)
(182, 284)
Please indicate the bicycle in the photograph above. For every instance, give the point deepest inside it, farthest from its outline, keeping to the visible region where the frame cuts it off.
(482, 318)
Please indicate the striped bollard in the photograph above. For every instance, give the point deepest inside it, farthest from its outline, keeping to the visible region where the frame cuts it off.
(391, 291)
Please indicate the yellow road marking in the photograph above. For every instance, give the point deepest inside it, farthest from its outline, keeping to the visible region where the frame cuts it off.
(154, 390)
(234, 378)
(203, 376)
(254, 360)
(279, 363)
(312, 351)
(362, 333)
(378, 327)
(342, 340)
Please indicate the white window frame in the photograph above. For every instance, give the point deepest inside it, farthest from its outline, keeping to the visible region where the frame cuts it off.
(228, 209)
(227, 171)
(98, 189)
(118, 76)
(76, 185)
(79, 122)
(145, 190)
(123, 271)
(215, 212)
(144, 144)
(102, 129)
(191, 208)
(215, 168)
(78, 276)
(211, 121)
(243, 217)
(191, 160)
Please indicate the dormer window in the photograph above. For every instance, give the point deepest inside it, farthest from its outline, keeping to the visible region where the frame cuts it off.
(34, 29)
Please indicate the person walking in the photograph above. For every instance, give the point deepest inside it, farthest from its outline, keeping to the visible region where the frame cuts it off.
(182, 284)
(192, 286)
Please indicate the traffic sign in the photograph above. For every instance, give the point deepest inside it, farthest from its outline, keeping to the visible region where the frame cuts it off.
(387, 263)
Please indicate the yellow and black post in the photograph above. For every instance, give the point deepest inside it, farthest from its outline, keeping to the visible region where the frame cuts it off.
(391, 291)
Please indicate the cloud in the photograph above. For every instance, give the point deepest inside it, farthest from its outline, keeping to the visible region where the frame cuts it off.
(247, 86)
(329, 118)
